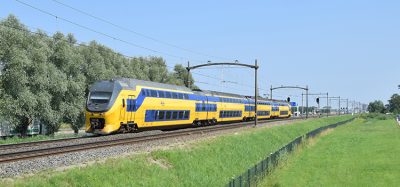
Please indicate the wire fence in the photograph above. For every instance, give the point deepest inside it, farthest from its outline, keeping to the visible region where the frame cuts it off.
(260, 170)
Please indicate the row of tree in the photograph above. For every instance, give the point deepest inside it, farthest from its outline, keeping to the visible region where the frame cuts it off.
(47, 77)
(393, 106)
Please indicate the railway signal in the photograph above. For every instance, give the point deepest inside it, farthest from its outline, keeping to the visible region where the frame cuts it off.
(317, 100)
(288, 99)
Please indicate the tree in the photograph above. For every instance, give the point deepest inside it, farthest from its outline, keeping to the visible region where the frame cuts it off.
(18, 101)
(67, 59)
(181, 75)
(394, 103)
(376, 107)
(47, 77)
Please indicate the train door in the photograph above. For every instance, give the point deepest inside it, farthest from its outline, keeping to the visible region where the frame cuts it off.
(124, 108)
(131, 105)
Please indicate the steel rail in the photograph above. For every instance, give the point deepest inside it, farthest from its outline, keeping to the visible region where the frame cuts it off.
(42, 152)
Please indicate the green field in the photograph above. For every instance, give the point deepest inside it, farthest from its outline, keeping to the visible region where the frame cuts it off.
(363, 153)
(211, 162)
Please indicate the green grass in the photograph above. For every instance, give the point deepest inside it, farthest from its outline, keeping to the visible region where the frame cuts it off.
(211, 162)
(363, 153)
(37, 138)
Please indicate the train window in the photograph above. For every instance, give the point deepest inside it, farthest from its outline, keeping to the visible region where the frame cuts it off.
(203, 107)
(180, 115)
(168, 115)
(156, 115)
(186, 96)
(143, 92)
(168, 95)
(161, 115)
(174, 115)
(187, 114)
(153, 93)
(174, 95)
(180, 96)
(161, 94)
(100, 97)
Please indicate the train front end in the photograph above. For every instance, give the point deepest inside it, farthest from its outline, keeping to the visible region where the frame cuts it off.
(102, 114)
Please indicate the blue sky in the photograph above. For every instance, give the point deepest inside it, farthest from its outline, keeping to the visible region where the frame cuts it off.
(347, 48)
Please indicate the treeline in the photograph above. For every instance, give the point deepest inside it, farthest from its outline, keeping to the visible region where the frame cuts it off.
(47, 77)
(393, 105)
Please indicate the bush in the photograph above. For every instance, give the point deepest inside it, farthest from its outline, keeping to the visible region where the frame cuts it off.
(377, 116)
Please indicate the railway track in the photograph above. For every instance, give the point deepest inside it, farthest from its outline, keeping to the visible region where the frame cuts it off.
(49, 151)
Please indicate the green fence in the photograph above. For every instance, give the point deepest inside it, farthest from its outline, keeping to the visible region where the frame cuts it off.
(260, 170)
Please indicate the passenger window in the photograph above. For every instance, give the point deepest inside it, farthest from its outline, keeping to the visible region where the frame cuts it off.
(161, 115)
(168, 94)
(203, 107)
(180, 114)
(174, 115)
(186, 96)
(186, 114)
(156, 115)
(174, 95)
(168, 115)
(153, 93)
(161, 94)
(143, 92)
(180, 96)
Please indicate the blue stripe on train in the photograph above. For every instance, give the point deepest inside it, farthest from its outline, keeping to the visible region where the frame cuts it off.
(134, 104)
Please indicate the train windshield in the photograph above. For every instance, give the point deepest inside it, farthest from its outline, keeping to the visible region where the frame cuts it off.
(100, 97)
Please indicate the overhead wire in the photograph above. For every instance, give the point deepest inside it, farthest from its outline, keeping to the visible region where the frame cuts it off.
(102, 33)
(135, 32)
(79, 43)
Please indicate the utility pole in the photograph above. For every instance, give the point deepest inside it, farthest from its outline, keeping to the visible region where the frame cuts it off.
(327, 105)
(270, 92)
(302, 104)
(188, 74)
(339, 106)
(307, 101)
(255, 93)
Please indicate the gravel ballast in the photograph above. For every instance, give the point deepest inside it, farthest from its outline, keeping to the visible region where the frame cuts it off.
(62, 161)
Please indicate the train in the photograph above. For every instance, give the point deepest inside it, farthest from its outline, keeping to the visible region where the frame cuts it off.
(130, 105)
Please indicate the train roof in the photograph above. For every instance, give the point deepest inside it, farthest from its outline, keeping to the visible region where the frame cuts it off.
(127, 83)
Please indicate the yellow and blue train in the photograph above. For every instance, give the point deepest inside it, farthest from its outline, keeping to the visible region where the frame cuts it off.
(128, 105)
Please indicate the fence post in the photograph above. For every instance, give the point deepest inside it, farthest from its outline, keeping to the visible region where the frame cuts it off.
(248, 177)
(240, 181)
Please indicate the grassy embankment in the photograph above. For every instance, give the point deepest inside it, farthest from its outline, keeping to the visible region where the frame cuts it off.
(205, 163)
(363, 153)
(64, 127)
(39, 138)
